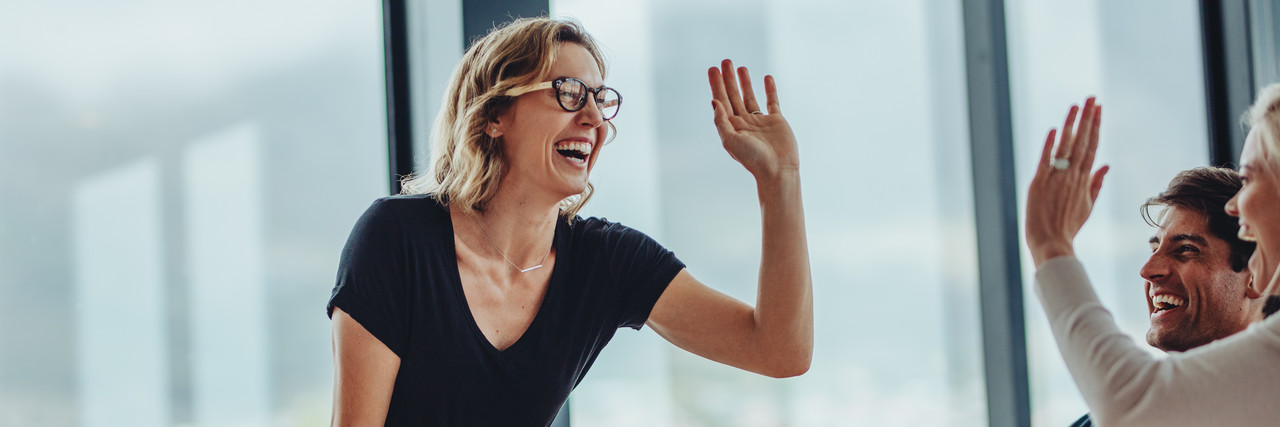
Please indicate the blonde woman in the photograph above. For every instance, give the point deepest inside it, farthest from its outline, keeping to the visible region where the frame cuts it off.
(1229, 382)
(480, 298)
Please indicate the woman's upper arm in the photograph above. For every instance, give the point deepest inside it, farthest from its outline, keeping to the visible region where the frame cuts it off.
(365, 374)
(706, 322)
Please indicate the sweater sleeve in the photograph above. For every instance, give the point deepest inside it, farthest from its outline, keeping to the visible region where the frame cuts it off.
(1228, 382)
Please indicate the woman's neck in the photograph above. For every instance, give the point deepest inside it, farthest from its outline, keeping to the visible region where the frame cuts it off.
(519, 226)
(1267, 257)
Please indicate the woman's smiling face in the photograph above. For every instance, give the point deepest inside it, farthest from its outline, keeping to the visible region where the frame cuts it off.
(1257, 206)
(547, 148)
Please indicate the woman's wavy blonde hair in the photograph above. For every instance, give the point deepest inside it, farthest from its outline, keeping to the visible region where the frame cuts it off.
(467, 164)
(1264, 117)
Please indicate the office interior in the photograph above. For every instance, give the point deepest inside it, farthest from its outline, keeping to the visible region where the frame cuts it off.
(178, 180)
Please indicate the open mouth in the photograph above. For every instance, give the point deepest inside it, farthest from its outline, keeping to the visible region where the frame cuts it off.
(574, 151)
(1163, 303)
(1245, 233)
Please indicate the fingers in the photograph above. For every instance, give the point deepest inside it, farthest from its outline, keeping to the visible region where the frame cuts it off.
(717, 86)
(1068, 134)
(1046, 154)
(1080, 138)
(731, 87)
(748, 94)
(1095, 184)
(771, 95)
(1092, 149)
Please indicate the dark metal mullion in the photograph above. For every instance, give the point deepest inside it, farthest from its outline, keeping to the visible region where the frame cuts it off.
(1228, 75)
(480, 16)
(996, 216)
(399, 120)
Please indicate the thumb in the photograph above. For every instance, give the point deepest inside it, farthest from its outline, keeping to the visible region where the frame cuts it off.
(1095, 184)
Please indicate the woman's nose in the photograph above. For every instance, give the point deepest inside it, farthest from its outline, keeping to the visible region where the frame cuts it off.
(590, 114)
(1232, 208)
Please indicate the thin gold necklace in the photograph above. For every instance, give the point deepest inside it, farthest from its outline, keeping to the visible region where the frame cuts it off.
(504, 254)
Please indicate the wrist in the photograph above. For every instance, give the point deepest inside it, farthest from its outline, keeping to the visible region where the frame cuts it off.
(778, 175)
(1048, 251)
(777, 181)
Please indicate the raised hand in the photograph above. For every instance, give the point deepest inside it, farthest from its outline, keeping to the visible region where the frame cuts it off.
(1063, 190)
(763, 143)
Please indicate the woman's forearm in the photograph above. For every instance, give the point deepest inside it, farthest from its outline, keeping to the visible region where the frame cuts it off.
(784, 305)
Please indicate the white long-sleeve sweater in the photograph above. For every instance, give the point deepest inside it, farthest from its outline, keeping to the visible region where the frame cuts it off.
(1234, 381)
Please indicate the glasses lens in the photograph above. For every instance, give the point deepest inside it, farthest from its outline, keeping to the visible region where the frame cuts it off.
(609, 101)
(572, 94)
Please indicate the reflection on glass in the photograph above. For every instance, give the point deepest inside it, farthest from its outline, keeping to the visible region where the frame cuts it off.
(1264, 26)
(1144, 64)
(874, 92)
(223, 186)
(178, 181)
(119, 298)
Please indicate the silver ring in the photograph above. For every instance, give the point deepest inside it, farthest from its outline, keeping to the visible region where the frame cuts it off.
(756, 112)
(1060, 164)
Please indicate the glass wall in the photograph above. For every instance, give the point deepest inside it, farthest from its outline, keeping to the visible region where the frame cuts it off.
(178, 180)
(1144, 64)
(1264, 26)
(875, 93)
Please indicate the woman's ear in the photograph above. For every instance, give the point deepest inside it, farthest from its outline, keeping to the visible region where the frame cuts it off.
(493, 129)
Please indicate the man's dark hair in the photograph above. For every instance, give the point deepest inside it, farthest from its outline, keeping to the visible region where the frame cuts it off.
(1206, 190)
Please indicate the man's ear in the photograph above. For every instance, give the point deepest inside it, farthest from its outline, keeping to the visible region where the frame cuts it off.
(1251, 290)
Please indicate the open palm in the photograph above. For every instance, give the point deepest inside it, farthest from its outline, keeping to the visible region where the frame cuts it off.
(763, 143)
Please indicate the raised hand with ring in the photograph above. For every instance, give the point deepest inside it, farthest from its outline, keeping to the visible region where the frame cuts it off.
(1063, 192)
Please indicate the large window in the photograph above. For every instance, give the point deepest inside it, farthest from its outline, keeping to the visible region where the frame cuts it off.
(875, 93)
(1264, 23)
(1144, 64)
(177, 182)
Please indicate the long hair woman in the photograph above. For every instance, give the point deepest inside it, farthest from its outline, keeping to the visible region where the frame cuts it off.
(480, 297)
(1232, 381)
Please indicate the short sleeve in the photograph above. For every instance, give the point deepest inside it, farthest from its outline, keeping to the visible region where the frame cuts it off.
(371, 283)
(642, 269)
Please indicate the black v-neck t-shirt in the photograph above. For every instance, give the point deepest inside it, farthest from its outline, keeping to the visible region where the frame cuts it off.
(398, 277)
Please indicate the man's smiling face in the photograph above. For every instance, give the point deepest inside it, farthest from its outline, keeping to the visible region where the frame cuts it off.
(1193, 295)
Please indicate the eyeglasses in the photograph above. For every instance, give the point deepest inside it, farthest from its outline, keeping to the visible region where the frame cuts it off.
(572, 93)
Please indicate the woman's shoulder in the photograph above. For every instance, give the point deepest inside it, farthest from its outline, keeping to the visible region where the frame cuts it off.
(403, 201)
(601, 229)
(596, 225)
(405, 215)
(404, 206)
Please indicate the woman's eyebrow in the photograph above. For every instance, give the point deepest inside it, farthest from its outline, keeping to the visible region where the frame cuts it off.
(584, 81)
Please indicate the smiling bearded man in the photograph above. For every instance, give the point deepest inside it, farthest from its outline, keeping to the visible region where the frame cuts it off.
(1197, 285)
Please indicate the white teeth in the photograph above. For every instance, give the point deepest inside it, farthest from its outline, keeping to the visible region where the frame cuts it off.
(581, 147)
(1165, 302)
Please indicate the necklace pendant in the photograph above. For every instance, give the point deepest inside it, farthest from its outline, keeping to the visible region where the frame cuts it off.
(526, 270)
